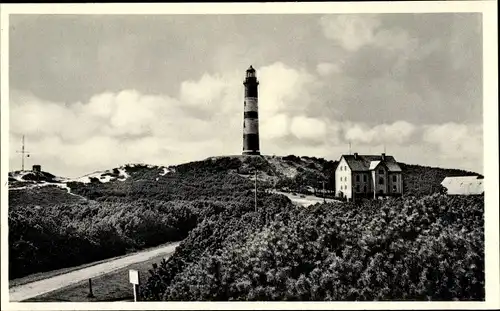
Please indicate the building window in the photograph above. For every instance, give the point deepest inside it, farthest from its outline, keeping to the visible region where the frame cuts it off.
(381, 171)
(357, 178)
(364, 178)
(357, 188)
(364, 188)
(394, 178)
(381, 181)
(394, 188)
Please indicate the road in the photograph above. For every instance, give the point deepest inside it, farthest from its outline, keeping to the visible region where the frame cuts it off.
(33, 289)
(306, 200)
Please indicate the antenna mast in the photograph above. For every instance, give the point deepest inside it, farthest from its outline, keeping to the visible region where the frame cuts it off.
(349, 147)
(24, 154)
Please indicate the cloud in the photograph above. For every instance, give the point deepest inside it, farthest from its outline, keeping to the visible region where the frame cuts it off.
(308, 128)
(283, 88)
(450, 145)
(204, 119)
(350, 31)
(325, 69)
(276, 126)
(353, 32)
(205, 92)
(371, 79)
(116, 128)
(456, 141)
(398, 132)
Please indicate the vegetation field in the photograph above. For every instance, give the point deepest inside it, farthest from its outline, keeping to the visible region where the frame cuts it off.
(117, 218)
(425, 246)
(430, 248)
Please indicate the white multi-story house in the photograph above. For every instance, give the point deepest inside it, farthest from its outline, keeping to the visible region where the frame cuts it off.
(368, 176)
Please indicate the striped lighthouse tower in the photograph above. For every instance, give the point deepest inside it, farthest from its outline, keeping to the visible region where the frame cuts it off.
(251, 115)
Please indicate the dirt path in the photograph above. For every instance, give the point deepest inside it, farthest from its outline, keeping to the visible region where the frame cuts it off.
(306, 200)
(30, 290)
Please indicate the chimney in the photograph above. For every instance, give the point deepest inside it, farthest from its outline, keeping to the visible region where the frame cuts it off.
(355, 156)
(383, 156)
(37, 168)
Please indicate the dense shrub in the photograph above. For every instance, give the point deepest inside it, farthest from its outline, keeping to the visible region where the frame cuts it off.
(431, 248)
(63, 235)
(51, 229)
(42, 196)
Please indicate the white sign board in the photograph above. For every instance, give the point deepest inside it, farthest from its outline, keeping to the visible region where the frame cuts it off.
(133, 276)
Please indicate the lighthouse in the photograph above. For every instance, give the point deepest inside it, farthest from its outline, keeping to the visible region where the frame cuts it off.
(251, 114)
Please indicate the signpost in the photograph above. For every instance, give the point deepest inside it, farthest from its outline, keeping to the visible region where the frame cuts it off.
(134, 279)
(324, 200)
(91, 293)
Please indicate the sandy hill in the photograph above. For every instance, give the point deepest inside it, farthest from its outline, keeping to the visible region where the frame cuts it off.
(294, 173)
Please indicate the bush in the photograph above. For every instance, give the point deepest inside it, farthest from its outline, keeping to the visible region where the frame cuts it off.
(430, 248)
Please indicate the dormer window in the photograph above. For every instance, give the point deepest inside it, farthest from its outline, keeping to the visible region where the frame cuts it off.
(381, 171)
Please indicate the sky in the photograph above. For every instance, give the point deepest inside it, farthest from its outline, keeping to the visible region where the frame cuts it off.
(93, 92)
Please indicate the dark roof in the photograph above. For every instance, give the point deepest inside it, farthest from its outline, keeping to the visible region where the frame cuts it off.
(251, 69)
(362, 162)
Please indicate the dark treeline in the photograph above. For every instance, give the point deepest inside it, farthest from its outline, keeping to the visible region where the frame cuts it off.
(423, 180)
